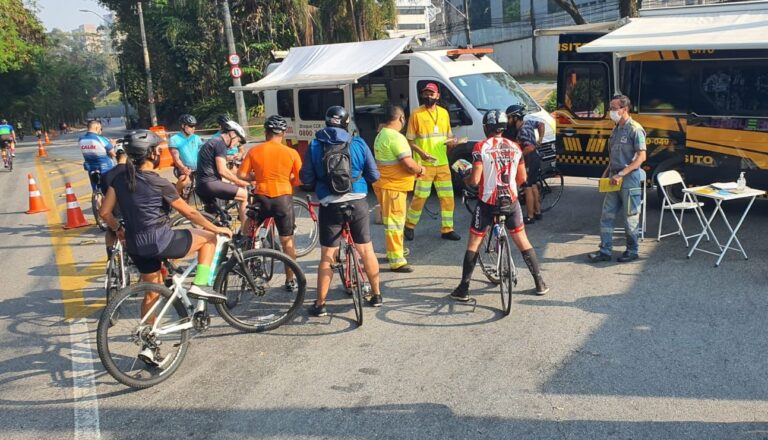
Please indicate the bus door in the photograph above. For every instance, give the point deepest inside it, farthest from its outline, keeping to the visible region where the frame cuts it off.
(584, 84)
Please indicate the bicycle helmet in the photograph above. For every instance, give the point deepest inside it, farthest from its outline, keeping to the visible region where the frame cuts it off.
(337, 116)
(517, 110)
(119, 148)
(138, 144)
(275, 124)
(3, 121)
(494, 120)
(232, 126)
(222, 119)
(188, 120)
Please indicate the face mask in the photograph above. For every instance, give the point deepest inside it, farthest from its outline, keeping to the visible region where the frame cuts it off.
(615, 116)
(429, 102)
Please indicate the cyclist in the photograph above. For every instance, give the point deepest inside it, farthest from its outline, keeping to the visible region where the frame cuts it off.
(184, 146)
(7, 138)
(497, 170)
(331, 219)
(146, 199)
(38, 127)
(274, 170)
(212, 168)
(110, 237)
(526, 131)
(97, 150)
(19, 130)
(237, 150)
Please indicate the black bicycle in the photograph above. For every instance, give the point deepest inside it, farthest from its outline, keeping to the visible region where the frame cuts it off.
(550, 180)
(97, 197)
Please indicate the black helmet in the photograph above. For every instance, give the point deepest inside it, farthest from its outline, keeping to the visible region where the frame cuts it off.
(275, 124)
(187, 120)
(222, 119)
(517, 110)
(232, 126)
(137, 144)
(337, 116)
(495, 120)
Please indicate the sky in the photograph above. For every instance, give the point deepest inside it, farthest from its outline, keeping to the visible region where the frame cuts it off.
(65, 14)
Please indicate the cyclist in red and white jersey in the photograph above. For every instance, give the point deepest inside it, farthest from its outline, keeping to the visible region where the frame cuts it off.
(497, 170)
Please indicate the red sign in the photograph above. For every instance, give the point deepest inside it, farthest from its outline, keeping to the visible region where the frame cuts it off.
(233, 59)
(236, 72)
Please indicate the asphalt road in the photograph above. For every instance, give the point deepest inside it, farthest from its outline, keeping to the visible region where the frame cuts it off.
(661, 348)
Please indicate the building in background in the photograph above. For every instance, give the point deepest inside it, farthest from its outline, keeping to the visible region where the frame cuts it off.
(95, 38)
(414, 19)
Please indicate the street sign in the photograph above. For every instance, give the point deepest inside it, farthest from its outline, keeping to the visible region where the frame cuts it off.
(233, 59)
(236, 72)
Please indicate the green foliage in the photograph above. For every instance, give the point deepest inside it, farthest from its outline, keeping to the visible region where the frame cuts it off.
(551, 104)
(21, 35)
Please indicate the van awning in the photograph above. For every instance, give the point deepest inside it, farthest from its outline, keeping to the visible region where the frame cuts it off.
(329, 65)
(744, 30)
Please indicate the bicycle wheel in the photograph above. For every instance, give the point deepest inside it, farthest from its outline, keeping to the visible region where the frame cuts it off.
(266, 304)
(269, 242)
(96, 199)
(356, 285)
(507, 274)
(342, 270)
(305, 230)
(122, 335)
(489, 256)
(551, 187)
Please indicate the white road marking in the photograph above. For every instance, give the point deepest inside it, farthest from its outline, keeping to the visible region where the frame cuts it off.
(83, 384)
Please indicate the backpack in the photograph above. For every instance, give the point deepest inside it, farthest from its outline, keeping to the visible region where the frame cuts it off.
(337, 164)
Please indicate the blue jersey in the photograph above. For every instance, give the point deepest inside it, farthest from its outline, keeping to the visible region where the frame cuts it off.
(95, 149)
(6, 129)
(188, 148)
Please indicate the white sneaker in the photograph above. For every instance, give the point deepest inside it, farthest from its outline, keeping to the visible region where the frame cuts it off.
(212, 297)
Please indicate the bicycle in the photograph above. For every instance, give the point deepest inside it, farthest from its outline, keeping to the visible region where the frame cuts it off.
(350, 269)
(550, 180)
(129, 343)
(7, 156)
(495, 255)
(97, 197)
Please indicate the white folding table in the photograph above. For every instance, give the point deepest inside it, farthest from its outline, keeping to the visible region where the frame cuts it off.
(720, 196)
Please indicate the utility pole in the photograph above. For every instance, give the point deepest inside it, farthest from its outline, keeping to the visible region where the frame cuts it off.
(150, 90)
(466, 23)
(242, 117)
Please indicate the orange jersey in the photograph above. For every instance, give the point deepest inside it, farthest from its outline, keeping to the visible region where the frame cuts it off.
(275, 168)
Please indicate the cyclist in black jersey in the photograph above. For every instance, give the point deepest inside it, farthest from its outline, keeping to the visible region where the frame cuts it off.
(146, 199)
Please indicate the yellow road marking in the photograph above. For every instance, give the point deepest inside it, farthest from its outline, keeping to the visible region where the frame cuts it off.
(71, 279)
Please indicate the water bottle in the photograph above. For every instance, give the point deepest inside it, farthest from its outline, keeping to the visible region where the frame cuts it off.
(741, 184)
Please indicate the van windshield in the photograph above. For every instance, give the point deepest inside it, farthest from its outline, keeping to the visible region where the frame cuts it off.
(493, 90)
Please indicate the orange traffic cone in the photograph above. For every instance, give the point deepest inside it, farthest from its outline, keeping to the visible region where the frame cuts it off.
(36, 203)
(41, 149)
(47, 140)
(75, 218)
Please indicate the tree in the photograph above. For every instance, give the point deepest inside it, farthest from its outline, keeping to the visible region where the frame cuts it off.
(21, 35)
(628, 8)
(570, 7)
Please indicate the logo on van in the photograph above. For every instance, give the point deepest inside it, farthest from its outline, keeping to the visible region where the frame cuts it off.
(697, 159)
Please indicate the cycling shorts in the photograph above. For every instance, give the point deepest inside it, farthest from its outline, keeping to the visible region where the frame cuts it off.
(6, 141)
(533, 168)
(178, 248)
(331, 219)
(280, 209)
(483, 217)
(209, 191)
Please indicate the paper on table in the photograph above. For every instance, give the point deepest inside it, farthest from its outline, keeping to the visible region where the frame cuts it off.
(725, 185)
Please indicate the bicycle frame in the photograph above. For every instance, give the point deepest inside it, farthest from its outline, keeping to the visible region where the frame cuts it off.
(346, 235)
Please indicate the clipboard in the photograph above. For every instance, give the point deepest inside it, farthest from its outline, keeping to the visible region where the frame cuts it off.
(605, 185)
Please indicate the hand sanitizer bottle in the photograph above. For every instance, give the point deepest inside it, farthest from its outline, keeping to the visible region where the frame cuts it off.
(741, 184)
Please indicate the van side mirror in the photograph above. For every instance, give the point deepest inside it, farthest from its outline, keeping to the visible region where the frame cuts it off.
(459, 117)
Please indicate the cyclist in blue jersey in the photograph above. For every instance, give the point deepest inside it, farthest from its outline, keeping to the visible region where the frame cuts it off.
(7, 137)
(184, 146)
(98, 152)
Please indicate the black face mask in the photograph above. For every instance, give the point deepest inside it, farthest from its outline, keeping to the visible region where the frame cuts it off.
(156, 161)
(429, 102)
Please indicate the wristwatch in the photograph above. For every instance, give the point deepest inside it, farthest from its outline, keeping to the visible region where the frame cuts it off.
(621, 173)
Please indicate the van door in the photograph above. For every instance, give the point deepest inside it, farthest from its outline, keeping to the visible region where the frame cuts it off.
(584, 84)
(311, 105)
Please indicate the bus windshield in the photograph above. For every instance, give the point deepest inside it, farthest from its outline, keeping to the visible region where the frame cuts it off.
(493, 90)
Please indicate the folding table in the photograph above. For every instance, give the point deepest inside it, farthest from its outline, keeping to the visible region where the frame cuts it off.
(719, 196)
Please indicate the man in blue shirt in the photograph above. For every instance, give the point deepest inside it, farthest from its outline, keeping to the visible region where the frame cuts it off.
(185, 146)
(7, 137)
(331, 219)
(97, 150)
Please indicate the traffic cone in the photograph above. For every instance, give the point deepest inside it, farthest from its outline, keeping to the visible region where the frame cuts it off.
(75, 218)
(36, 203)
(41, 149)
(47, 140)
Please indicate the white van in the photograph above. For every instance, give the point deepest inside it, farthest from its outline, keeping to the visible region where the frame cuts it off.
(364, 77)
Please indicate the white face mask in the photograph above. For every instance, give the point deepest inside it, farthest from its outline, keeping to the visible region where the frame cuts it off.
(615, 116)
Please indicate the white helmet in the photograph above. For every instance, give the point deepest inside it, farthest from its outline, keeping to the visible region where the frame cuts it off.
(232, 126)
